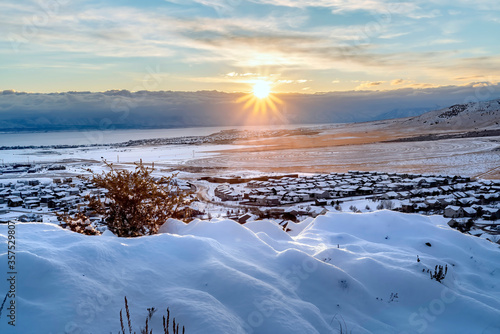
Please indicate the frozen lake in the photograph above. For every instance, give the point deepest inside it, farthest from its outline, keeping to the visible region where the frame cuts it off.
(101, 137)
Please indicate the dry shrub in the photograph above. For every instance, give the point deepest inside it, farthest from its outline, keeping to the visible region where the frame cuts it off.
(79, 223)
(136, 203)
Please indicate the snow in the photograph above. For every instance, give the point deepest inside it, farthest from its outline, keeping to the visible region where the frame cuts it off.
(158, 154)
(222, 277)
(469, 116)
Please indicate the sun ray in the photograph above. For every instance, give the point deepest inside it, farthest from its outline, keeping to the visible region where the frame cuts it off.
(263, 103)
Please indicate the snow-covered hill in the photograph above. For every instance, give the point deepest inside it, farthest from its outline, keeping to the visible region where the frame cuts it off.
(341, 271)
(470, 116)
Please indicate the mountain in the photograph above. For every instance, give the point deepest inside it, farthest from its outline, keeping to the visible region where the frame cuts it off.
(403, 113)
(470, 116)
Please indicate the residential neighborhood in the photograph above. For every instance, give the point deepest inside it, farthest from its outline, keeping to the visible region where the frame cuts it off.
(290, 197)
(454, 197)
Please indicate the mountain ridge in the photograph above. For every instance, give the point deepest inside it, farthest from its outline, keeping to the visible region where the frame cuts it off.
(467, 116)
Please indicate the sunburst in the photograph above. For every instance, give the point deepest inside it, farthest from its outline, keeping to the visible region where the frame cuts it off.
(261, 98)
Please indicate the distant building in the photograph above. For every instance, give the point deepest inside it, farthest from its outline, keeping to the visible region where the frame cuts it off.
(452, 211)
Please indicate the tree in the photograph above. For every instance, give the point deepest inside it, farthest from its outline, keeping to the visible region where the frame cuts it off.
(136, 203)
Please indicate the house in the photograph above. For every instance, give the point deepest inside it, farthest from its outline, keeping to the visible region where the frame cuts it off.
(33, 182)
(60, 194)
(445, 200)
(28, 218)
(432, 203)
(290, 214)
(265, 200)
(320, 202)
(303, 196)
(452, 211)
(462, 224)
(317, 211)
(365, 190)
(421, 207)
(226, 193)
(407, 207)
(53, 203)
(273, 200)
(470, 212)
(390, 195)
(490, 213)
(246, 218)
(15, 201)
(73, 191)
(320, 194)
(445, 189)
(31, 204)
(46, 198)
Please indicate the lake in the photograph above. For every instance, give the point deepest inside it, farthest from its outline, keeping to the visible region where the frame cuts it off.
(100, 137)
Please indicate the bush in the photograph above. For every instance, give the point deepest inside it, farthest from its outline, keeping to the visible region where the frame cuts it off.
(439, 274)
(146, 330)
(135, 204)
(79, 223)
(385, 204)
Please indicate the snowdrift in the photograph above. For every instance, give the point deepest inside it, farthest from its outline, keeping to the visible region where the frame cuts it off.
(355, 272)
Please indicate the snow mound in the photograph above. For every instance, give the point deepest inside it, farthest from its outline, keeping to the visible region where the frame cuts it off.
(355, 271)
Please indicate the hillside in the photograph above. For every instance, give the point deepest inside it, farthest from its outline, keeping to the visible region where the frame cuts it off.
(470, 116)
(343, 272)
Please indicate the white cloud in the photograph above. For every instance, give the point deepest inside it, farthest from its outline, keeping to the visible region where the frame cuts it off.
(445, 41)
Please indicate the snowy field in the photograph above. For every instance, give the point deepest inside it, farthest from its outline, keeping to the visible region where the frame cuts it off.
(338, 273)
(462, 156)
(468, 157)
(165, 155)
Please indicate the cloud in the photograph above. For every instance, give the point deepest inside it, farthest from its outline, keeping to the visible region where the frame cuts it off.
(369, 84)
(147, 109)
(288, 81)
(445, 41)
(281, 36)
(235, 74)
(469, 78)
(397, 82)
(129, 32)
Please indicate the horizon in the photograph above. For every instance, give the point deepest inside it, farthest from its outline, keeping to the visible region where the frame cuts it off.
(120, 109)
(477, 85)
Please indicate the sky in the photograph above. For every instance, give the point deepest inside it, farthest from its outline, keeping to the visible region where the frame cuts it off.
(305, 46)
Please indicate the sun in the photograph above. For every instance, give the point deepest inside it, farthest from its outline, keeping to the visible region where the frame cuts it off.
(262, 100)
(261, 89)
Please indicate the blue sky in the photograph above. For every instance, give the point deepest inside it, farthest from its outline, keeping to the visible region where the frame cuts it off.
(300, 46)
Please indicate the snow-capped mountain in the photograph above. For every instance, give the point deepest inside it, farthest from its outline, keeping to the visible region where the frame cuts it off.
(470, 116)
